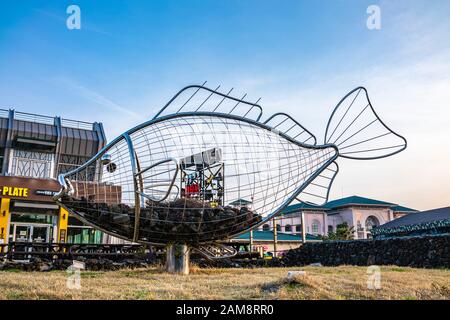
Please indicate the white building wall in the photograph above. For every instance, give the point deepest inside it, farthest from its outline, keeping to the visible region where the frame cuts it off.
(354, 216)
(310, 218)
(295, 220)
(334, 220)
(383, 215)
(347, 216)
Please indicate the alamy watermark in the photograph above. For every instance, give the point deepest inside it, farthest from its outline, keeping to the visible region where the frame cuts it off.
(74, 275)
(374, 18)
(373, 278)
(73, 21)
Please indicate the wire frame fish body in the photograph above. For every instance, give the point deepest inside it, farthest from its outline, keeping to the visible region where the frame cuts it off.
(206, 168)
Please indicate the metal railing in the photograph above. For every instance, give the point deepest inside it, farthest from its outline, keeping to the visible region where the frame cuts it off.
(76, 124)
(37, 118)
(54, 251)
(4, 113)
(31, 117)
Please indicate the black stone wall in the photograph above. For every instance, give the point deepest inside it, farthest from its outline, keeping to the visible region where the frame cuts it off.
(421, 252)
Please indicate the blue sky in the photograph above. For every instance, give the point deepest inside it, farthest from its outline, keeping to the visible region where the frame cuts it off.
(301, 57)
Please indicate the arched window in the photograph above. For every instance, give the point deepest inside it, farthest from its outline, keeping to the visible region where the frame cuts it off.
(266, 227)
(278, 227)
(371, 222)
(298, 228)
(288, 228)
(315, 226)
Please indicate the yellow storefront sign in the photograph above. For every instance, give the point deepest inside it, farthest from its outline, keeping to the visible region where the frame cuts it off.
(14, 192)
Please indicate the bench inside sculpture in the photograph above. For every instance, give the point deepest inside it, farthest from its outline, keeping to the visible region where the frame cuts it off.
(183, 220)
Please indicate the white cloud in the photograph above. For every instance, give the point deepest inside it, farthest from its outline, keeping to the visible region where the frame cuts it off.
(93, 96)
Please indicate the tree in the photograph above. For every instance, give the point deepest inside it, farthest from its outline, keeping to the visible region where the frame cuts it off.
(343, 232)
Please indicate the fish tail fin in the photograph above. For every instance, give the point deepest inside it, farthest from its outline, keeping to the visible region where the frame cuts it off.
(355, 128)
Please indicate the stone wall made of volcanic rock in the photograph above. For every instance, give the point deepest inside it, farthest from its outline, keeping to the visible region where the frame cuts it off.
(421, 252)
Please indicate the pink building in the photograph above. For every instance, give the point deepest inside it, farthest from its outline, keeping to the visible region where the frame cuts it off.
(359, 212)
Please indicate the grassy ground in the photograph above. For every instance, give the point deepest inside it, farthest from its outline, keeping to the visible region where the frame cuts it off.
(269, 283)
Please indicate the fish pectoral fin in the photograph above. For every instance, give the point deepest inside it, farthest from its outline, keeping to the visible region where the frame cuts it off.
(317, 192)
(287, 125)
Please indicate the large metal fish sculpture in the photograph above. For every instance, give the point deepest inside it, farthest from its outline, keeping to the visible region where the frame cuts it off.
(206, 167)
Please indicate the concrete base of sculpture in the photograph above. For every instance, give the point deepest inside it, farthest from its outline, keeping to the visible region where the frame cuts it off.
(177, 258)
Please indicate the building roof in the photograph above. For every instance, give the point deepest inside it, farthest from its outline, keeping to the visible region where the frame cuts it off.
(418, 218)
(399, 208)
(268, 236)
(356, 200)
(70, 138)
(347, 202)
(302, 206)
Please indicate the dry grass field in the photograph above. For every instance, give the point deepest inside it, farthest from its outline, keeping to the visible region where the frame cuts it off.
(344, 282)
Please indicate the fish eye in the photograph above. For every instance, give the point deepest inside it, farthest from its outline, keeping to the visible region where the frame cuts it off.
(111, 167)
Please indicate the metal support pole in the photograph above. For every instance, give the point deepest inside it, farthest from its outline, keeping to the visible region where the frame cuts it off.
(251, 241)
(177, 258)
(303, 227)
(63, 219)
(8, 146)
(275, 238)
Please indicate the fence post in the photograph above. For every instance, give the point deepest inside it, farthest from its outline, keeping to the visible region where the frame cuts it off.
(275, 238)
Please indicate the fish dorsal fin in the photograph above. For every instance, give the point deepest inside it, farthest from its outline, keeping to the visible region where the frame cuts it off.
(198, 98)
(318, 190)
(284, 123)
